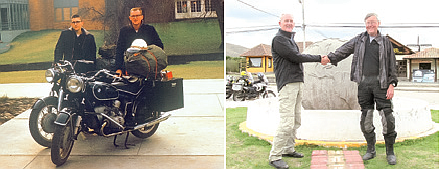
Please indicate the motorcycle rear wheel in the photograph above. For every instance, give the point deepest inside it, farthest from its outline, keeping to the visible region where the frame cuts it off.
(41, 123)
(146, 132)
(62, 143)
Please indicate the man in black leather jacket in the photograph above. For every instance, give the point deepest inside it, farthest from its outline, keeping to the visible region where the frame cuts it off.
(373, 68)
(76, 43)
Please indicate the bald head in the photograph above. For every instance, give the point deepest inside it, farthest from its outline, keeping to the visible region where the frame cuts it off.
(286, 22)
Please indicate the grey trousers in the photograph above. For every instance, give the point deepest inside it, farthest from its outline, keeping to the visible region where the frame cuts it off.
(290, 105)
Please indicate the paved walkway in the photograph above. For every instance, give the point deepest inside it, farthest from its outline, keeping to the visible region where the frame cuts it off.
(193, 137)
(330, 159)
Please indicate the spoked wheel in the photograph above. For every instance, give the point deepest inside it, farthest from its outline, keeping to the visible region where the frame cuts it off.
(41, 123)
(228, 95)
(147, 132)
(239, 95)
(269, 94)
(62, 143)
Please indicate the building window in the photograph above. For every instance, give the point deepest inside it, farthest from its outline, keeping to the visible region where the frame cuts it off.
(64, 9)
(270, 62)
(14, 16)
(208, 7)
(196, 6)
(186, 9)
(65, 14)
(255, 62)
(402, 68)
(425, 66)
(181, 6)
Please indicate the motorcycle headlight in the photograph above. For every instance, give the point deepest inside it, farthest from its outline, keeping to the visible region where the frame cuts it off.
(74, 84)
(50, 75)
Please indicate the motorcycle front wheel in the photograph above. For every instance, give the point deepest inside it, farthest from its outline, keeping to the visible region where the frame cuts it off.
(229, 92)
(239, 95)
(269, 94)
(228, 95)
(62, 143)
(41, 123)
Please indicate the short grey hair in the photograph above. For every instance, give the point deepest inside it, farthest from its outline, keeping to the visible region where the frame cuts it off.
(371, 14)
(281, 16)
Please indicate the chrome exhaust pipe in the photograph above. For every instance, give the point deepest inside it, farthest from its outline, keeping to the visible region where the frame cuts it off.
(163, 117)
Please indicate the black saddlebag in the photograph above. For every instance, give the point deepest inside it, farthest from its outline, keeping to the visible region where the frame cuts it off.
(165, 96)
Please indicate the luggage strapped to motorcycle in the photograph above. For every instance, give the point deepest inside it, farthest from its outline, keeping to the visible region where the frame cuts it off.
(147, 60)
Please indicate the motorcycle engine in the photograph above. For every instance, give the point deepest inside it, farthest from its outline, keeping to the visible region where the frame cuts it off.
(112, 112)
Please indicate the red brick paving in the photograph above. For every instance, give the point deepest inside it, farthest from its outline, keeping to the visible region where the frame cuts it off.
(324, 159)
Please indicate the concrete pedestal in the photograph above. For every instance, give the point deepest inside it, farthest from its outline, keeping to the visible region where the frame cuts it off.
(412, 118)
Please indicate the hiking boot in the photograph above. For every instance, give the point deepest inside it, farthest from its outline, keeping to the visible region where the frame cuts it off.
(293, 154)
(370, 152)
(279, 164)
(369, 155)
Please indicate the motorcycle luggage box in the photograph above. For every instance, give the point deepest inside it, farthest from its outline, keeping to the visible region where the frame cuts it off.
(166, 95)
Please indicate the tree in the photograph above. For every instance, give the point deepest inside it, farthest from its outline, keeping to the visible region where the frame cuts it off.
(218, 6)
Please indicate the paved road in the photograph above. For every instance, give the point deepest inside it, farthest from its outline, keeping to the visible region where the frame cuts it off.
(193, 137)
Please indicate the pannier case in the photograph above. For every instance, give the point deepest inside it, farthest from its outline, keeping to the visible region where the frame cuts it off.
(166, 96)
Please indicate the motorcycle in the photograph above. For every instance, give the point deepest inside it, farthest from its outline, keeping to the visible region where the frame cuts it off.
(45, 110)
(229, 86)
(247, 89)
(104, 104)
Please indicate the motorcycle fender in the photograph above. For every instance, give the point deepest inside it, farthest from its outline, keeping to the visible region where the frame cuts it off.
(62, 118)
(44, 102)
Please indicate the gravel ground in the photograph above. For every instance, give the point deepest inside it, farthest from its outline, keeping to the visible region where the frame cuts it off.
(9, 108)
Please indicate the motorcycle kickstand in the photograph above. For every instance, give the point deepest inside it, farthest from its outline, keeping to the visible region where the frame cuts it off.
(125, 142)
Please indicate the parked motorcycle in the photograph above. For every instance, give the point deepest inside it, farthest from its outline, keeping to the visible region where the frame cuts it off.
(229, 86)
(102, 103)
(247, 89)
(45, 110)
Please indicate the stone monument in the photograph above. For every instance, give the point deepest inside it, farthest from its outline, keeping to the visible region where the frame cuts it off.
(328, 87)
(331, 112)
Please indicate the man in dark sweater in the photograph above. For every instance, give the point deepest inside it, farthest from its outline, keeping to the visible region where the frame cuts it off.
(136, 30)
(373, 68)
(76, 43)
(288, 69)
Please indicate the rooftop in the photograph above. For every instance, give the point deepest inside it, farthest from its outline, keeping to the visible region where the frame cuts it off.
(427, 53)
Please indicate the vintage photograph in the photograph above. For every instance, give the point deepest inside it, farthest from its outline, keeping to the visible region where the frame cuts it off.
(112, 84)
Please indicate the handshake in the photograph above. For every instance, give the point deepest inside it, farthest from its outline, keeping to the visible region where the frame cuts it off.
(325, 60)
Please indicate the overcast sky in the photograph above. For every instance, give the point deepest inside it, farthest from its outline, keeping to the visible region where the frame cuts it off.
(239, 17)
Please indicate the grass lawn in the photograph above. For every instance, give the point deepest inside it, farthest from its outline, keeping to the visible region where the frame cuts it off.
(192, 70)
(179, 38)
(244, 151)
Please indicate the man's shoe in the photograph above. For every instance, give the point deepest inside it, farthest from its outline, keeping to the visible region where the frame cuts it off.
(279, 164)
(391, 159)
(293, 154)
(369, 156)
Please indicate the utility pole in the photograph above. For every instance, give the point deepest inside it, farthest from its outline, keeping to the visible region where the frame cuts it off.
(303, 25)
(418, 44)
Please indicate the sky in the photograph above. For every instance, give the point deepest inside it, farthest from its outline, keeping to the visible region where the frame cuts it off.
(240, 16)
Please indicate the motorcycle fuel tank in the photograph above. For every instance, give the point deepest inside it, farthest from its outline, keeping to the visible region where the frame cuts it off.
(104, 91)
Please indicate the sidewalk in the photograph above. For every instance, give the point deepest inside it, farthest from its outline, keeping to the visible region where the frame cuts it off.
(193, 137)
